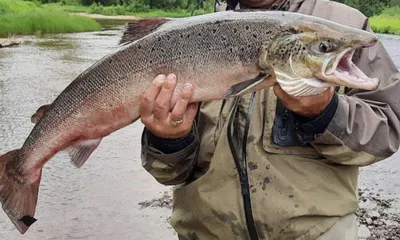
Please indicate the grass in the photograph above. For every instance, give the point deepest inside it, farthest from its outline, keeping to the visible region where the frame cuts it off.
(65, 8)
(393, 12)
(12, 6)
(387, 22)
(44, 23)
(24, 18)
(172, 14)
(125, 10)
(381, 24)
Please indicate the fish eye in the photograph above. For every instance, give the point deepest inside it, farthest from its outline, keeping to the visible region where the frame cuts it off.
(326, 46)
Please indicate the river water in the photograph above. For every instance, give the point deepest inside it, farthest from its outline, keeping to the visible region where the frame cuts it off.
(101, 200)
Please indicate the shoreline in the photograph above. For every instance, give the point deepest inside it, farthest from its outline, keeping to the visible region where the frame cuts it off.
(377, 29)
(106, 17)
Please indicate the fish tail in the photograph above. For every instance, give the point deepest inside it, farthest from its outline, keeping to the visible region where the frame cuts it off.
(17, 196)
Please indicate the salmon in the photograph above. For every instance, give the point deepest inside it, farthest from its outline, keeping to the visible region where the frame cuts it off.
(222, 55)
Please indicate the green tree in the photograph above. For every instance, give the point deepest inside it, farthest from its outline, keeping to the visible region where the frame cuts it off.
(87, 2)
(368, 7)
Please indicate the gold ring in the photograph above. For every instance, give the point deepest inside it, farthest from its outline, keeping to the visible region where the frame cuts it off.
(176, 122)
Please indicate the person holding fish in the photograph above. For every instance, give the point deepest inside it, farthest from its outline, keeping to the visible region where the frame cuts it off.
(271, 152)
(273, 165)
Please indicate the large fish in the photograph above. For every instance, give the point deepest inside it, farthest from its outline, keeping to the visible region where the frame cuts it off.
(222, 54)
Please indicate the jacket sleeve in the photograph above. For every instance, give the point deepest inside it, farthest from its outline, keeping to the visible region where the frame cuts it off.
(170, 162)
(365, 127)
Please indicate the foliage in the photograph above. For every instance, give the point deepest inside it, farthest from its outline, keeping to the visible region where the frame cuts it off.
(393, 12)
(110, 10)
(167, 4)
(65, 8)
(139, 4)
(387, 22)
(136, 5)
(173, 14)
(384, 14)
(368, 7)
(371, 7)
(385, 25)
(136, 8)
(20, 17)
(7, 6)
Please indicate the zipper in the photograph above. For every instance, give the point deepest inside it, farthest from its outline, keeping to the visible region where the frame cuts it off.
(241, 167)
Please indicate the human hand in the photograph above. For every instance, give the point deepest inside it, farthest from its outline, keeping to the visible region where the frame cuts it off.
(308, 106)
(155, 108)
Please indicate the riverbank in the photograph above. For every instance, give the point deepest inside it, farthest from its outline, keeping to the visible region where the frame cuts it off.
(25, 18)
(38, 23)
(120, 11)
(387, 22)
(385, 25)
(105, 17)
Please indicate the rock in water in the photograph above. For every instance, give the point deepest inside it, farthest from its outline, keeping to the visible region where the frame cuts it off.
(8, 42)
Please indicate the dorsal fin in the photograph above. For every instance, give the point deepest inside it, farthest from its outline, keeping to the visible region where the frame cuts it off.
(137, 29)
(39, 113)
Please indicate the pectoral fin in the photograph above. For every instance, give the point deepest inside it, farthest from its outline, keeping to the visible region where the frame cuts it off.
(242, 87)
(39, 113)
(80, 151)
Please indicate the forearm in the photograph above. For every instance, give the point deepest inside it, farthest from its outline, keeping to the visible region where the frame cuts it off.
(367, 127)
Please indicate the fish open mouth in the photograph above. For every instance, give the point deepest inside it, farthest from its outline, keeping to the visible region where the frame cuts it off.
(342, 71)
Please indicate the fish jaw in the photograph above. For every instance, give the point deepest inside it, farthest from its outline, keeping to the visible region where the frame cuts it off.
(317, 54)
(344, 72)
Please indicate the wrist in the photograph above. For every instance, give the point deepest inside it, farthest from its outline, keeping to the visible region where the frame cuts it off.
(169, 145)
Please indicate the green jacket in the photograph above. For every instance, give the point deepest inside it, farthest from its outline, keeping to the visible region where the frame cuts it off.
(297, 189)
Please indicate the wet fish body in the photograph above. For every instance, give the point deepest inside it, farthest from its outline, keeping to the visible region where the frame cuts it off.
(221, 55)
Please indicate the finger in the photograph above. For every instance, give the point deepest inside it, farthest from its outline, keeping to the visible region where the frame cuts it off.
(163, 100)
(188, 117)
(149, 96)
(182, 102)
(191, 112)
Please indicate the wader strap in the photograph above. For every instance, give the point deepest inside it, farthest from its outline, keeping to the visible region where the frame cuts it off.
(241, 167)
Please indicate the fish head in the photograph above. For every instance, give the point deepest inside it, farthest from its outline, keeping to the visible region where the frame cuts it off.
(310, 56)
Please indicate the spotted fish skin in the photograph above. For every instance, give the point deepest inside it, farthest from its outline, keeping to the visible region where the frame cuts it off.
(221, 55)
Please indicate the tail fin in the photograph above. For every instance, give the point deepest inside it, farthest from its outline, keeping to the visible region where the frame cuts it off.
(18, 199)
